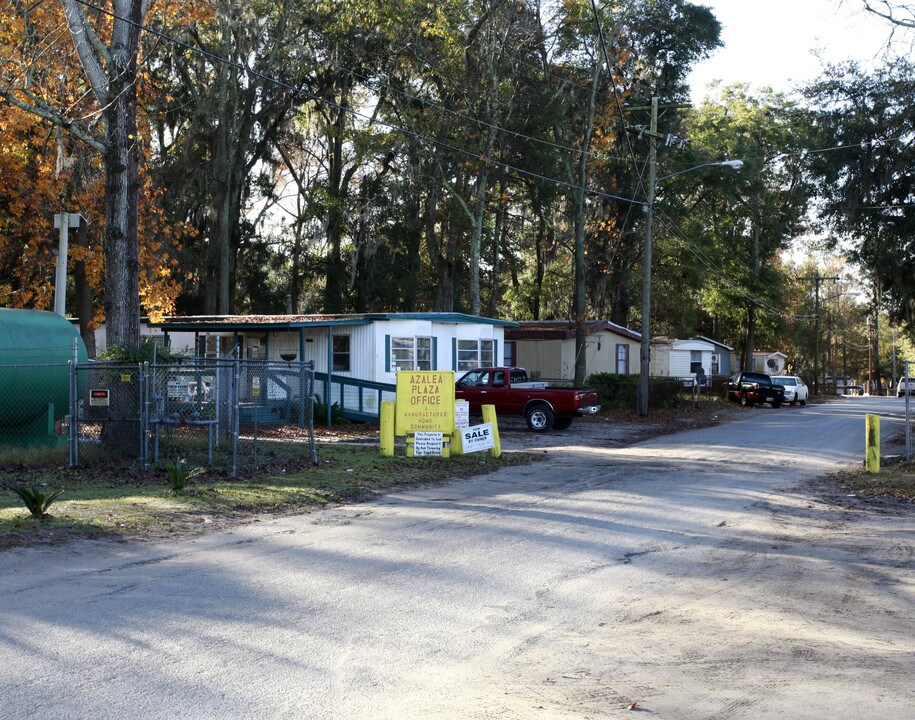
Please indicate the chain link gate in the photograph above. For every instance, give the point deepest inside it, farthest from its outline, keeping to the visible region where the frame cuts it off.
(210, 412)
(274, 395)
(106, 409)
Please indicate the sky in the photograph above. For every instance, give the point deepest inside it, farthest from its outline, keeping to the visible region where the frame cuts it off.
(772, 42)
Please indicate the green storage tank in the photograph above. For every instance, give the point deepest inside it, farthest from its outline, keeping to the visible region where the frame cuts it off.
(35, 347)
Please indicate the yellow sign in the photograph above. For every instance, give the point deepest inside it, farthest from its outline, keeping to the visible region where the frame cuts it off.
(425, 402)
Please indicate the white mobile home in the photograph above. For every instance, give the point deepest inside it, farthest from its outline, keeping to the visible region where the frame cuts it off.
(682, 359)
(770, 361)
(371, 346)
(721, 359)
(356, 357)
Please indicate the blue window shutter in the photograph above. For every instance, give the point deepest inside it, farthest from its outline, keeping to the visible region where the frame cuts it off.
(435, 353)
(387, 353)
(454, 353)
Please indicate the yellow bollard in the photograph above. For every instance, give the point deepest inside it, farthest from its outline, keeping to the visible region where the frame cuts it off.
(387, 429)
(457, 442)
(489, 416)
(872, 443)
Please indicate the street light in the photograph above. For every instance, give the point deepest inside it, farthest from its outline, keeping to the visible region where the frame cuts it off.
(645, 344)
(735, 164)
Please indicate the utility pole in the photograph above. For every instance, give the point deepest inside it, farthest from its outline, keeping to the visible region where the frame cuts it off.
(817, 278)
(750, 343)
(870, 359)
(876, 336)
(64, 221)
(645, 344)
(894, 358)
(669, 139)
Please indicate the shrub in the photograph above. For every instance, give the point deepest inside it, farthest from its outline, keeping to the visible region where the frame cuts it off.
(179, 474)
(615, 390)
(622, 391)
(142, 354)
(36, 501)
(320, 412)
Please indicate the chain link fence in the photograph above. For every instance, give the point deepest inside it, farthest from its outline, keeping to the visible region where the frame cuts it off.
(35, 401)
(222, 413)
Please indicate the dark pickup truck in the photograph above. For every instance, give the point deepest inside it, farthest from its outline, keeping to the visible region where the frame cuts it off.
(748, 388)
(513, 393)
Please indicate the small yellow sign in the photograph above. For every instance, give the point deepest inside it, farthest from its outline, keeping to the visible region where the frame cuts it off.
(425, 402)
(126, 377)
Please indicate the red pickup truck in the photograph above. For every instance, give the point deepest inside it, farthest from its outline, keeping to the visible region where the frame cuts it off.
(513, 393)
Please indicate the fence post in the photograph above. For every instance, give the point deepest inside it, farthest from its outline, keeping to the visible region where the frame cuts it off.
(72, 433)
(142, 372)
(908, 419)
(311, 411)
(236, 411)
(74, 406)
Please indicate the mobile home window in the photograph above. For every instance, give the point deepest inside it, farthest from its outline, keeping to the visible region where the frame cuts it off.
(475, 353)
(509, 353)
(695, 361)
(412, 353)
(622, 359)
(341, 353)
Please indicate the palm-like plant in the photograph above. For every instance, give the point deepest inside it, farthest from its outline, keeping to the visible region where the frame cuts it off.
(36, 501)
(179, 474)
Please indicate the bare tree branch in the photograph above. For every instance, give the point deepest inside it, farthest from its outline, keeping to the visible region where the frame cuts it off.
(92, 54)
(890, 11)
(93, 141)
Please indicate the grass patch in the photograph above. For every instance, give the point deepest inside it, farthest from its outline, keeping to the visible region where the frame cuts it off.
(896, 482)
(105, 500)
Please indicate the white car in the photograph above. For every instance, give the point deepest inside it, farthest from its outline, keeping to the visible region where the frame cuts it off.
(905, 389)
(795, 389)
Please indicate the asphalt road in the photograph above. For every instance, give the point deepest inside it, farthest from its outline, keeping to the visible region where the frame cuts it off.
(694, 575)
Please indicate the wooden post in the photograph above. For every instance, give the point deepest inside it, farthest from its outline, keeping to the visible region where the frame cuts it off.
(872, 447)
(387, 429)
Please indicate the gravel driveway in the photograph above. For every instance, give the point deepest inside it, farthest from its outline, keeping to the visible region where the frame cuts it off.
(693, 575)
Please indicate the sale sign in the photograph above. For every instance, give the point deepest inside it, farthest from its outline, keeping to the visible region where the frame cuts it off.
(478, 438)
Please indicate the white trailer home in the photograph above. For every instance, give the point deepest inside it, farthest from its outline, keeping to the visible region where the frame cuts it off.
(356, 357)
(682, 359)
(771, 362)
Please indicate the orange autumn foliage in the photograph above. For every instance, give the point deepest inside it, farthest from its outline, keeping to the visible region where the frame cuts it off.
(43, 172)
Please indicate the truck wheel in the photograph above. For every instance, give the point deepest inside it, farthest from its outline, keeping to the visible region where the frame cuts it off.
(562, 423)
(539, 418)
(776, 404)
(744, 400)
(803, 402)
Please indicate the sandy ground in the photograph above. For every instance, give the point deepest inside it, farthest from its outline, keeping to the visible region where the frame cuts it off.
(696, 575)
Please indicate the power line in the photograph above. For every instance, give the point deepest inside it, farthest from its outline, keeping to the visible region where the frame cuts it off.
(356, 113)
(483, 123)
(722, 274)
